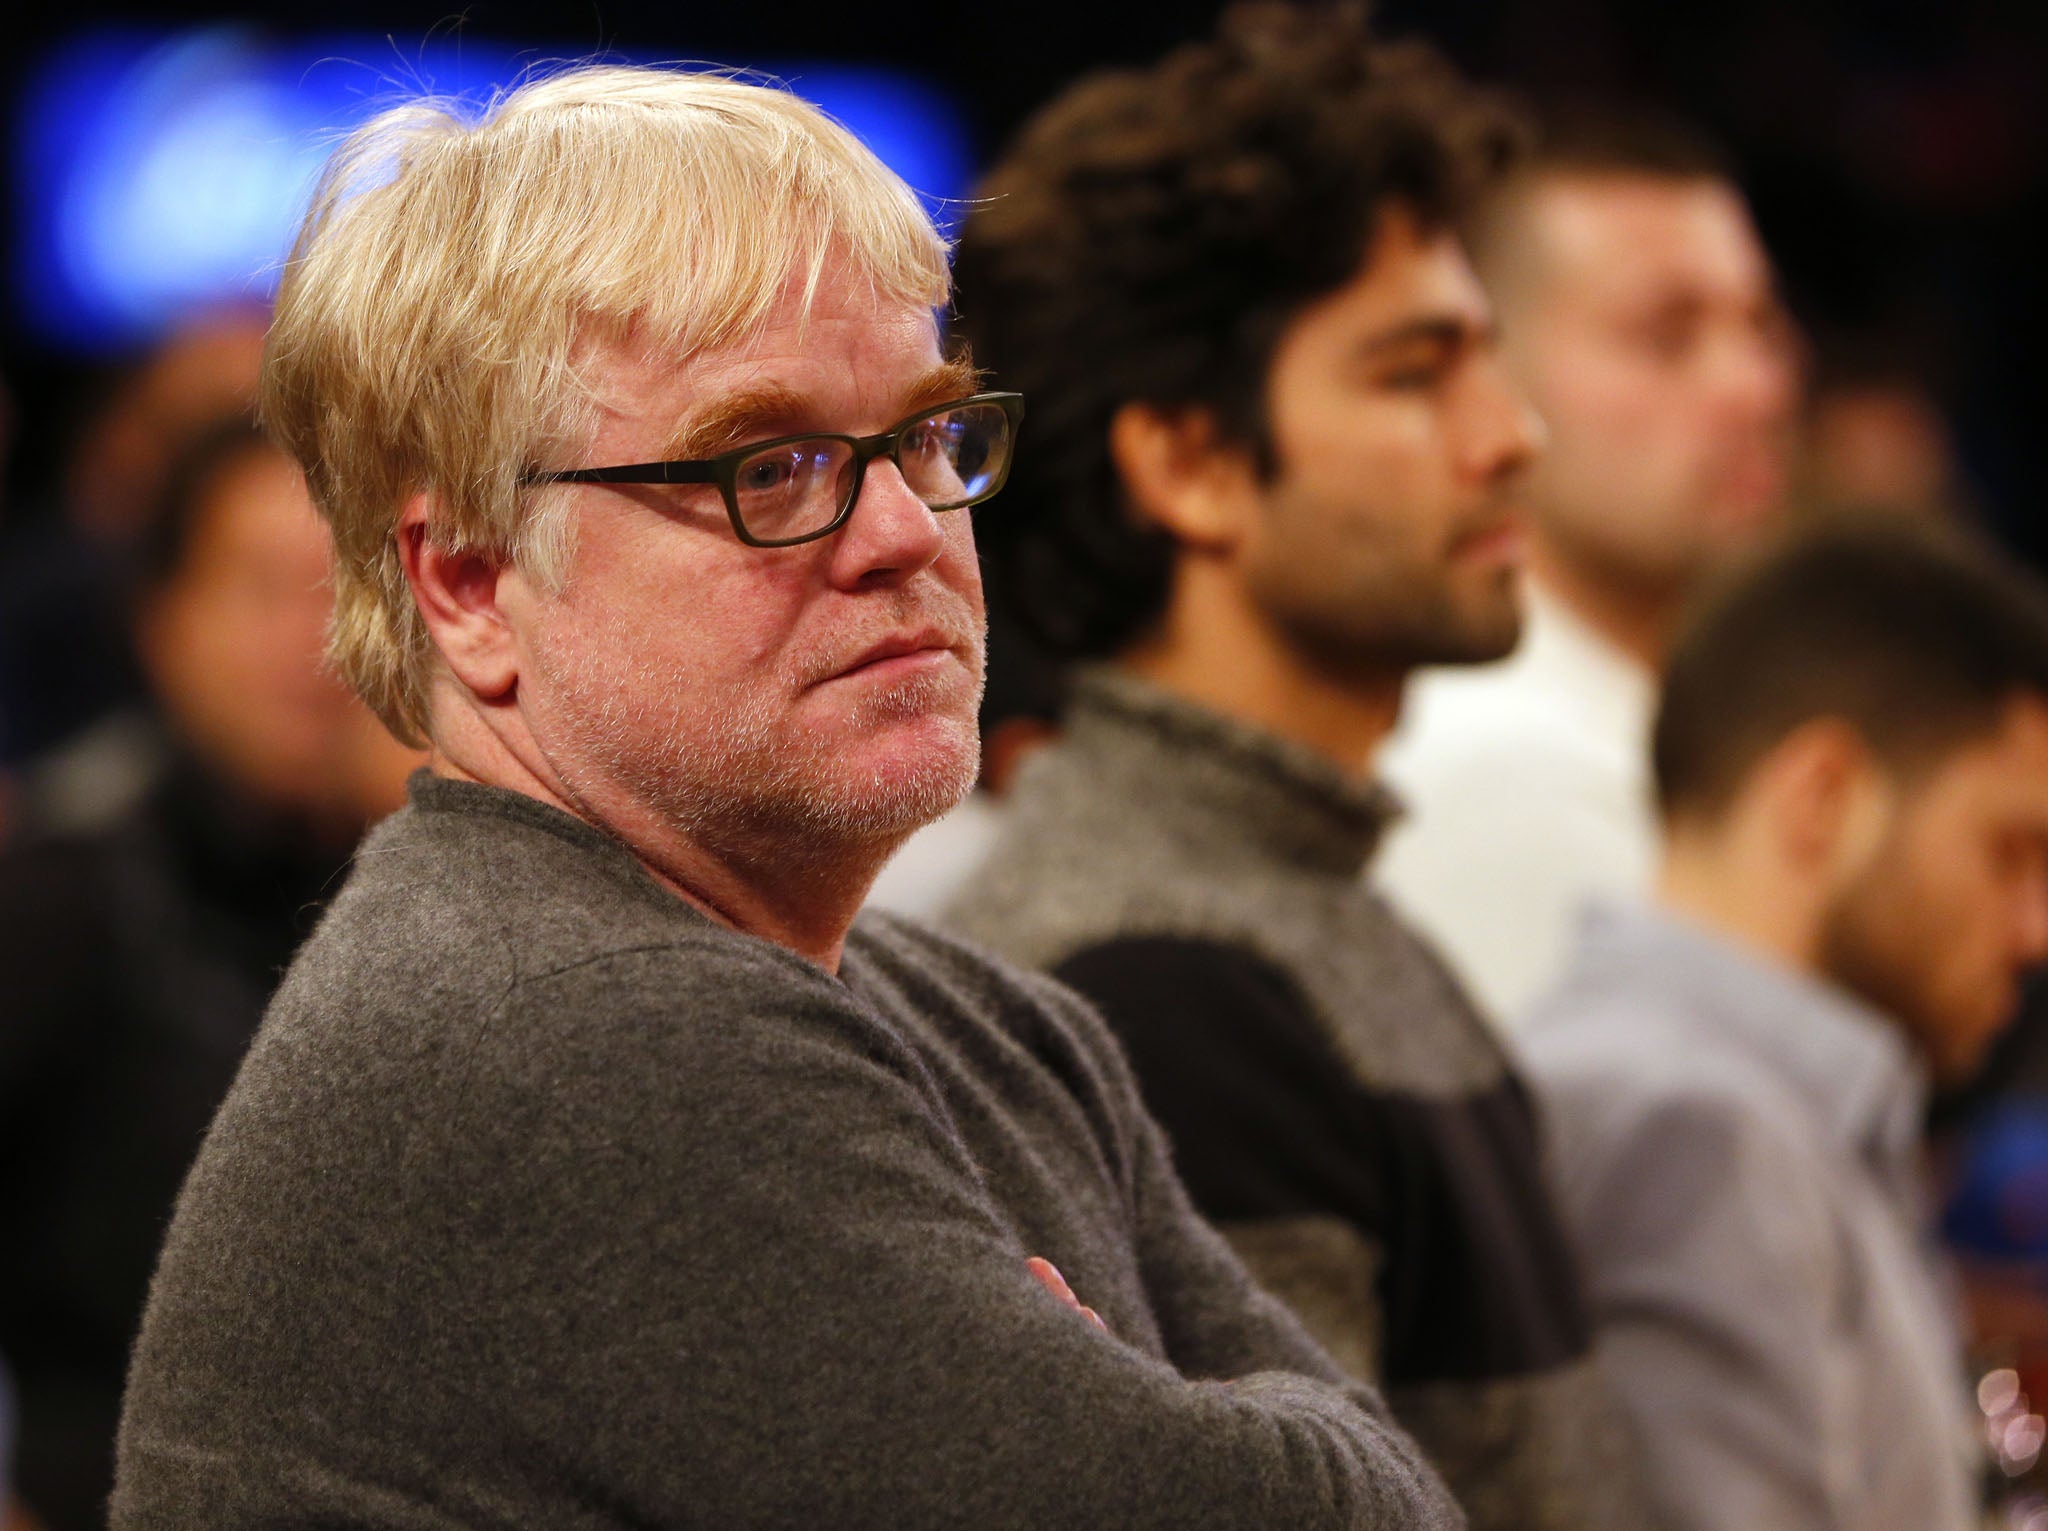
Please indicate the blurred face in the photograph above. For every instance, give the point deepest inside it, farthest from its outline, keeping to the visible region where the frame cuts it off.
(234, 640)
(1388, 535)
(1953, 907)
(1641, 314)
(682, 682)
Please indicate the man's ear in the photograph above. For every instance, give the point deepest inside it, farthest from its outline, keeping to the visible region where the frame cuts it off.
(457, 596)
(1182, 477)
(1830, 798)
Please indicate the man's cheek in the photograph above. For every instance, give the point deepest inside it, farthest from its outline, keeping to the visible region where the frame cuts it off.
(960, 565)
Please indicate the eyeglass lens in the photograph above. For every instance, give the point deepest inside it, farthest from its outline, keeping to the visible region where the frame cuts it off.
(949, 459)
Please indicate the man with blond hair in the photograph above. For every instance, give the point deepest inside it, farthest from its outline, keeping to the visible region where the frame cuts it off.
(592, 1168)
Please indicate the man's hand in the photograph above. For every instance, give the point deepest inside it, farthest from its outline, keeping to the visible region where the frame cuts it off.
(1050, 1278)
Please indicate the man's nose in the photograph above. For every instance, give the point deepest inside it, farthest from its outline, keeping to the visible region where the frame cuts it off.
(1759, 375)
(891, 534)
(1505, 433)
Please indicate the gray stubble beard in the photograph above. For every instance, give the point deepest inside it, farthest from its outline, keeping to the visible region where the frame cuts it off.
(744, 794)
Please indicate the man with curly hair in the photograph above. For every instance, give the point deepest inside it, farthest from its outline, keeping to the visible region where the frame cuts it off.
(1272, 468)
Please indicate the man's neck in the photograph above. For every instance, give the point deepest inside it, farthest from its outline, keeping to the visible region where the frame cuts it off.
(808, 904)
(1636, 620)
(1211, 650)
(1715, 887)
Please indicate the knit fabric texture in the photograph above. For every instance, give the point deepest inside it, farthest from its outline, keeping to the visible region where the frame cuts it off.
(1336, 1103)
(545, 1201)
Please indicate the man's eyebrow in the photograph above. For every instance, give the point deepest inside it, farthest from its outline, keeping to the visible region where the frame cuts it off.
(952, 379)
(751, 414)
(769, 410)
(1430, 329)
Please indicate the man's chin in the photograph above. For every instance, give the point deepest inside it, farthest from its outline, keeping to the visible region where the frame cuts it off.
(901, 776)
(1482, 629)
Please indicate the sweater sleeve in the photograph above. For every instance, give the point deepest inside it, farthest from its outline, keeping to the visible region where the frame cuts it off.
(1296, 1162)
(1411, 1230)
(735, 1271)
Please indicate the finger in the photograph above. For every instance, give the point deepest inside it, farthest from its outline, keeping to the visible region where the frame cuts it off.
(1094, 1318)
(1050, 1278)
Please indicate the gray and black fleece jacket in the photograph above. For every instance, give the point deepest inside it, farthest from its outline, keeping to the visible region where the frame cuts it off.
(545, 1202)
(1336, 1103)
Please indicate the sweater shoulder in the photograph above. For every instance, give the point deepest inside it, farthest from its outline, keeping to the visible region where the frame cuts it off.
(478, 957)
(957, 985)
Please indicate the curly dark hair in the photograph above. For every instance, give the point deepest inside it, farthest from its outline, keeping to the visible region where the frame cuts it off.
(1148, 238)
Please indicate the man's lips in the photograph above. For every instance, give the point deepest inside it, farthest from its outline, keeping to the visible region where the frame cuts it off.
(1497, 537)
(899, 652)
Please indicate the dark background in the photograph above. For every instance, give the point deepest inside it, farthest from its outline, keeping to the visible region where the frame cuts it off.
(1895, 151)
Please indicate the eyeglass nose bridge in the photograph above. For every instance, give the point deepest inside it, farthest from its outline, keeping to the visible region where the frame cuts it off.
(866, 449)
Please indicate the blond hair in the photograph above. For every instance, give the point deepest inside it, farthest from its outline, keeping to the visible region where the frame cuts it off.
(433, 309)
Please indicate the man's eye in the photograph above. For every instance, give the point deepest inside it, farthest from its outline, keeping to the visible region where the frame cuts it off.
(1670, 345)
(932, 438)
(1670, 338)
(1417, 368)
(761, 475)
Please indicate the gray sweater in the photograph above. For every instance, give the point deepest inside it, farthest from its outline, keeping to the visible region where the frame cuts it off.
(1337, 1105)
(544, 1201)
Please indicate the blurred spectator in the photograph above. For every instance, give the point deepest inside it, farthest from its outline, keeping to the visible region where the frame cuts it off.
(1879, 441)
(1272, 469)
(64, 657)
(167, 864)
(205, 371)
(1851, 759)
(1638, 307)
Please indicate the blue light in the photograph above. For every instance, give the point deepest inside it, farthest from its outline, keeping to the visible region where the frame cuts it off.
(159, 173)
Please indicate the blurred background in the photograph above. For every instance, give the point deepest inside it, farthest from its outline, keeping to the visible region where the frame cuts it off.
(1895, 152)
(154, 165)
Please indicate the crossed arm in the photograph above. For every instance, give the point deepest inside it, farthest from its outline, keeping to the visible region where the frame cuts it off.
(755, 1278)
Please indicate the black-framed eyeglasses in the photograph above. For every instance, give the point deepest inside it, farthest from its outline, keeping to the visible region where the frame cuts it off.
(797, 488)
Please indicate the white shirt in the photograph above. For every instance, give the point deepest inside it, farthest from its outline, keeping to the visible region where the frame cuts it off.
(1528, 789)
(935, 864)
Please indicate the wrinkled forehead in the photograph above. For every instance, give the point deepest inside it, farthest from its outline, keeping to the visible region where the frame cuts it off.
(840, 358)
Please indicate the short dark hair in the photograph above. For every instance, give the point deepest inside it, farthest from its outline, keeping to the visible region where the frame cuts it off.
(1918, 638)
(1590, 138)
(1148, 238)
(1609, 137)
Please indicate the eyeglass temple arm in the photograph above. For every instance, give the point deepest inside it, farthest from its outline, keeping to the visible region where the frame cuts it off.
(632, 473)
